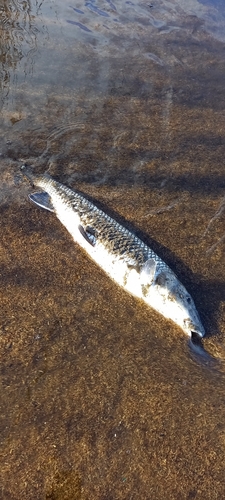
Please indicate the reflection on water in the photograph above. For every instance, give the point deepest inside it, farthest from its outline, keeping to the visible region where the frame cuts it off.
(218, 216)
(18, 40)
(100, 396)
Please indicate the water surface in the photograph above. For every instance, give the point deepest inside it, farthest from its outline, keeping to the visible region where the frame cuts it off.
(101, 397)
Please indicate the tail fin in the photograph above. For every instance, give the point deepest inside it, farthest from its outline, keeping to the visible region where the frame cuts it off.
(30, 175)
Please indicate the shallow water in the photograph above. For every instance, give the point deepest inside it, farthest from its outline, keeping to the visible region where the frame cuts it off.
(101, 397)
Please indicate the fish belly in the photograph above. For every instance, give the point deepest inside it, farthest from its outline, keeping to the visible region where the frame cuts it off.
(115, 267)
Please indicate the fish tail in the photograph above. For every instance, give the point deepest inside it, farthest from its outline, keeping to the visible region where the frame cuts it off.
(27, 171)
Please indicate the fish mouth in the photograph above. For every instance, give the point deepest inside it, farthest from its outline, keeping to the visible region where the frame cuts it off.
(197, 336)
(194, 331)
(197, 333)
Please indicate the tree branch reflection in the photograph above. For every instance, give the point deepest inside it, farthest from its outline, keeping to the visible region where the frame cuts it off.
(18, 39)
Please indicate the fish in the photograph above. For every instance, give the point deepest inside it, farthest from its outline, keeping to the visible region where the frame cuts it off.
(77, 10)
(95, 9)
(81, 26)
(123, 256)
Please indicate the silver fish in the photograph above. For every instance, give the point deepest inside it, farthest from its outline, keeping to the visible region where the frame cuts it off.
(122, 255)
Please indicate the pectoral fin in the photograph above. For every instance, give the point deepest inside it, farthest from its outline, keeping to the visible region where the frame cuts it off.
(88, 234)
(148, 272)
(43, 200)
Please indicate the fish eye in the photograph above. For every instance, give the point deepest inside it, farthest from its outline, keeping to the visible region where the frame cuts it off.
(189, 300)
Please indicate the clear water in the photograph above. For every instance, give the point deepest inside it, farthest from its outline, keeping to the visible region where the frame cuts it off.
(101, 397)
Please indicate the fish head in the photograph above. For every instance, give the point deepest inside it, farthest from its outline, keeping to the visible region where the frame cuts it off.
(177, 304)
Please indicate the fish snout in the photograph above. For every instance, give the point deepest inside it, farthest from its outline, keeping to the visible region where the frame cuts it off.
(194, 328)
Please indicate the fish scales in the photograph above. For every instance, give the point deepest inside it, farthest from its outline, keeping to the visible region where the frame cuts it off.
(119, 252)
(118, 240)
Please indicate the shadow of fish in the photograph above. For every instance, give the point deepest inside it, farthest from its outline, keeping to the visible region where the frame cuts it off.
(122, 255)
